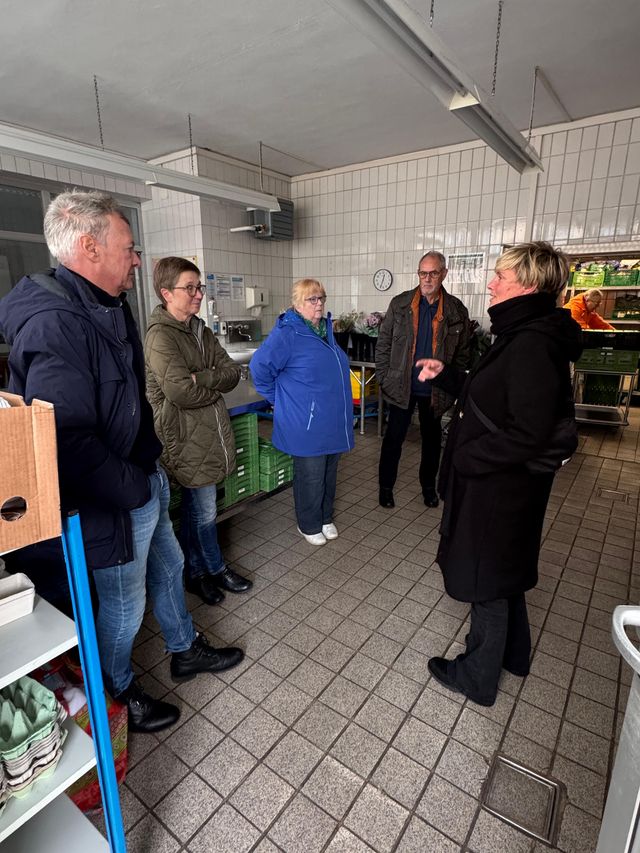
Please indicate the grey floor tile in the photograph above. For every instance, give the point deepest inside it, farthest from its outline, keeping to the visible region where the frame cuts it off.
(477, 732)
(332, 654)
(287, 703)
(585, 789)
(227, 709)
(437, 710)
(227, 830)
(448, 808)
(302, 828)
(346, 842)
(364, 671)
(544, 694)
(531, 754)
(419, 741)
(381, 649)
(590, 715)
(261, 797)
(491, 835)
(293, 758)
(595, 687)
(226, 766)
(155, 775)
(400, 777)
(132, 808)
(358, 749)
(258, 732)
(149, 836)
(333, 787)
(281, 659)
(535, 723)
(578, 831)
(377, 819)
(311, 677)
(256, 683)
(419, 837)
(463, 767)
(584, 747)
(192, 741)
(380, 717)
(351, 634)
(398, 689)
(344, 696)
(187, 807)
(321, 725)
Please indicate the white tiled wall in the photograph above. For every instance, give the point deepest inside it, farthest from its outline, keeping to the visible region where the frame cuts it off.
(355, 220)
(175, 223)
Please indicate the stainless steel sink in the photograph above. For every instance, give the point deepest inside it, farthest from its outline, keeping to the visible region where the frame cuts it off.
(241, 354)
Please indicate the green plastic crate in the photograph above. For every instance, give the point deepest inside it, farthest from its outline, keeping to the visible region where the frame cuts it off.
(621, 278)
(272, 459)
(271, 481)
(587, 279)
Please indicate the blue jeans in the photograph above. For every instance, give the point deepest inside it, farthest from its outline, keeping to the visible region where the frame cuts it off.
(314, 490)
(156, 568)
(198, 533)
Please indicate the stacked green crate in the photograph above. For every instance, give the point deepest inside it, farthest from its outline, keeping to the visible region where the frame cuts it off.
(276, 467)
(245, 480)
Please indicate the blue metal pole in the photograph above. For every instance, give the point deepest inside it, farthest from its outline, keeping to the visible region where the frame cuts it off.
(88, 645)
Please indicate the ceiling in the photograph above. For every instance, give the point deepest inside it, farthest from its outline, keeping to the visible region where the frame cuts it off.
(295, 74)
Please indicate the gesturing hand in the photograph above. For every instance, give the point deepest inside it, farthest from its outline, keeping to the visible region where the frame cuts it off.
(431, 367)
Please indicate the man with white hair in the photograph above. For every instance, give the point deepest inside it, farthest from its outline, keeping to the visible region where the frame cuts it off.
(74, 342)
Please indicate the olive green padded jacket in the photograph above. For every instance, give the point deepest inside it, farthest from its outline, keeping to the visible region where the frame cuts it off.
(190, 417)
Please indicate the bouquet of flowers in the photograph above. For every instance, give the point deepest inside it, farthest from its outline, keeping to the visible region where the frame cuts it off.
(345, 322)
(369, 324)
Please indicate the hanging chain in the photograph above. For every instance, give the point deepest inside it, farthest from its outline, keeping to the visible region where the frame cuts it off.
(193, 171)
(533, 102)
(495, 60)
(433, 3)
(97, 93)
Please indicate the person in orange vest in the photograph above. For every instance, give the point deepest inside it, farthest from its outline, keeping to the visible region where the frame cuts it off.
(583, 307)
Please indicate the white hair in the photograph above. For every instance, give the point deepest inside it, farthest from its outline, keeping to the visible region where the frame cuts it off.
(73, 214)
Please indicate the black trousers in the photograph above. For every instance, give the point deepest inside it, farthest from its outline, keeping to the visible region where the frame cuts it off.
(397, 426)
(499, 638)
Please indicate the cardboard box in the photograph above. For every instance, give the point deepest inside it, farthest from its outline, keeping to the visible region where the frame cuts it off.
(29, 492)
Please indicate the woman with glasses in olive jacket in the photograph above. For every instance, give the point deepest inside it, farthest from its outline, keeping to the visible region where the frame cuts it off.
(304, 374)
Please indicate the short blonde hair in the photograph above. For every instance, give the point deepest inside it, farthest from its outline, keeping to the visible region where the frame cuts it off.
(304, 288)
(594, 292)
(536, 264)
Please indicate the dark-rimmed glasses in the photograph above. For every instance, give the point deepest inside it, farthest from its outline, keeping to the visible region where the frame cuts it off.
(429, 273)
(315, 299)
(192, 289)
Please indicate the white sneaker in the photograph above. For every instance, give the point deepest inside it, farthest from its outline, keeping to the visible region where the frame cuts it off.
(330, 531)
(313, 538)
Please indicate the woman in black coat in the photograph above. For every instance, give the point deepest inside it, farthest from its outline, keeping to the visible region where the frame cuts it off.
(513, 426)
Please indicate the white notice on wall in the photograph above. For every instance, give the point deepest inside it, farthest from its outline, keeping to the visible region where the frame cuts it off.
(237, 287)
(466, 268)
(223, 286)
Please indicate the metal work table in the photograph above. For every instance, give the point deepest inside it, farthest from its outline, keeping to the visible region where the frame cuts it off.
(244, 398)
(361, 379)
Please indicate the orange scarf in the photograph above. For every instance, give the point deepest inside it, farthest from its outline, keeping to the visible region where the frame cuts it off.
(435, 323)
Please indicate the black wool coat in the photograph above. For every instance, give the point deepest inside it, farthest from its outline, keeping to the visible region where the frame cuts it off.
(493, 506)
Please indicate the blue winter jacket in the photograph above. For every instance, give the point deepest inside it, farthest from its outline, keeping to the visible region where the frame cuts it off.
(71, 351)
(306, 379)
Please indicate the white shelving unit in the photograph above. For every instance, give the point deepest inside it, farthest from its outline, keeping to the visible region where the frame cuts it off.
(45, 819)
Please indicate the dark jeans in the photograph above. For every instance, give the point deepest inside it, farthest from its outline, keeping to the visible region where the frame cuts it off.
(499, 637)
(397, 426)
(198, 532)
(314, 490)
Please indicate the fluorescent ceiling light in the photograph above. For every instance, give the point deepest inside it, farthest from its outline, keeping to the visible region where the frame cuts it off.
(401, 33)
(22, 142)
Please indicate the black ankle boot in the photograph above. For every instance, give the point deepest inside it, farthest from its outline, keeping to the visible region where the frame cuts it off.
(202, 657)
(147, 714)
(385, 498)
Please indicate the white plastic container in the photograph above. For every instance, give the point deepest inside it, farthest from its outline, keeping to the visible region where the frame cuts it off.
(16, 597)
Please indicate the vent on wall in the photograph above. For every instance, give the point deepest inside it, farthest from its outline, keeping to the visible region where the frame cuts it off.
(274, 225)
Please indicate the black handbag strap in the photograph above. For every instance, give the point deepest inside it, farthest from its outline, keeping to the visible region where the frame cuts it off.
(484, 420)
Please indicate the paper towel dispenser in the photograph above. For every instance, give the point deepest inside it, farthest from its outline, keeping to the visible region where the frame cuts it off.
(256, 297)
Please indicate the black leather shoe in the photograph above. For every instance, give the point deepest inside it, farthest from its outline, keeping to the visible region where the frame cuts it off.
(431, 498)
(439, 669)
(204, 587)
(202, 657)
(386, 497)
(230, 580)
(145, 713)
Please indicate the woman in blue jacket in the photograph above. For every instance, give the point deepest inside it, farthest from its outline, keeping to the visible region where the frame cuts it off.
(304, 374)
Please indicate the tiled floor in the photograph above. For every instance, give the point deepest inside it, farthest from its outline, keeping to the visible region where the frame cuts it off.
(331, 735)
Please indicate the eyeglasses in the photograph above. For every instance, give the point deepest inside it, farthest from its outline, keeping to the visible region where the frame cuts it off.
(315, 299)
(430, 274)
(192, 289)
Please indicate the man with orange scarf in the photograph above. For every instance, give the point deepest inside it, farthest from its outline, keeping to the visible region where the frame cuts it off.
(425, 322)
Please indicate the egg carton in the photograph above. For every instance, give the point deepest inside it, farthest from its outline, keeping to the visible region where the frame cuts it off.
(37, 750)
(28, 713)
(42, 770)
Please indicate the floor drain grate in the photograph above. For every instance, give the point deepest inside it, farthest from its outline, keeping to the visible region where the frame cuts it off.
(612, 494)
(524, 799)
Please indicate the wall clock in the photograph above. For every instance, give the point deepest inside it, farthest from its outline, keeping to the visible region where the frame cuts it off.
(382, 279)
